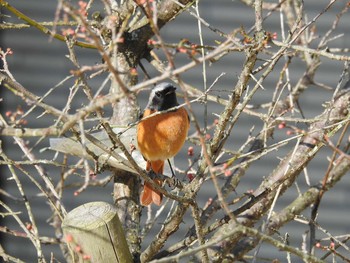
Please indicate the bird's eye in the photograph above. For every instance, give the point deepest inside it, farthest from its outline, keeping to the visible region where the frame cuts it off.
(158, 94)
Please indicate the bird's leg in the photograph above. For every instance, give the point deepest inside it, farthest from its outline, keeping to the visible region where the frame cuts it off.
(173, 181)
(171, 168)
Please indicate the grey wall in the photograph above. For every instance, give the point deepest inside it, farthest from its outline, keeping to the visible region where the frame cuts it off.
(39, 65)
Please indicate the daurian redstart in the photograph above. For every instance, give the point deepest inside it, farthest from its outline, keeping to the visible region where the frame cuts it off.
(160, 137)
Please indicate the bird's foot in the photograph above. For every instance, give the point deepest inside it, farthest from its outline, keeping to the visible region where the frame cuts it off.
(174, 182)
(154, 175)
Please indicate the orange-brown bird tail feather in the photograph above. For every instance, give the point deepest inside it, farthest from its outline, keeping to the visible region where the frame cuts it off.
(148, 195)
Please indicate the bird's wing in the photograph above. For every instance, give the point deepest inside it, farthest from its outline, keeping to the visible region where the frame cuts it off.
(101, 145)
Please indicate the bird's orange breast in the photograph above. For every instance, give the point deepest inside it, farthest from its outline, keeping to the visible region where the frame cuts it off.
(162, 136)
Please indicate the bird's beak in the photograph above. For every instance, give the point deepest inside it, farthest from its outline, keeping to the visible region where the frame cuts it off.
(171, 90)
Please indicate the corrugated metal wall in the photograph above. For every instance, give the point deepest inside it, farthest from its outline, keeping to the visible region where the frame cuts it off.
(39, 65)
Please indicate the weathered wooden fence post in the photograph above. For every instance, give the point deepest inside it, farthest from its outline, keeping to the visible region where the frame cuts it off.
(95, 233)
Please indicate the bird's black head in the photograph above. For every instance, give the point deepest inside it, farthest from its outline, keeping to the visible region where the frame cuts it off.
(162, 97)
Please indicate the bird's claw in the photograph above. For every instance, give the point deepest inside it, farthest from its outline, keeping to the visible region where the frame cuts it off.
(174, 182)
(154, 175)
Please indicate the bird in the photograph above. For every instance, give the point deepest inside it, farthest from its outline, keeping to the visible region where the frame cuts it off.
(160, 137)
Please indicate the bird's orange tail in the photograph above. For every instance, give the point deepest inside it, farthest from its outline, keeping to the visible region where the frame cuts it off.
(148, 195)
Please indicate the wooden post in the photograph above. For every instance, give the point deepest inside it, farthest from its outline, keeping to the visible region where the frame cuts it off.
(94, 232)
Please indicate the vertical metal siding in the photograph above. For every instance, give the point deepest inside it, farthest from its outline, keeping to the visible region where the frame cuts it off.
(39, 65)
